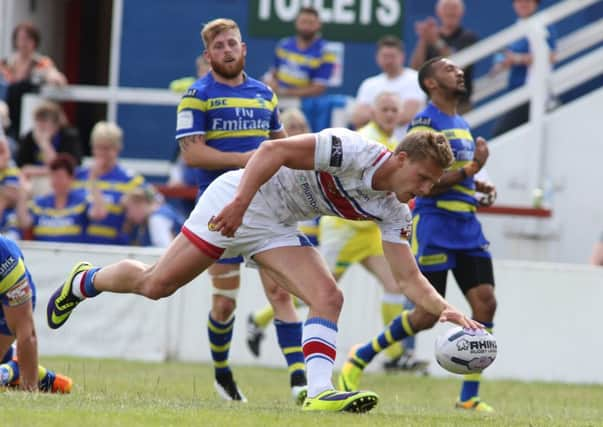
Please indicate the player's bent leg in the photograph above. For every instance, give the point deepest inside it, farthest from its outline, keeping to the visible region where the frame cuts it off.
(181, 263)
(405, 325)
(303, 272)
(226, 282)
(48, 381)
(482, 302)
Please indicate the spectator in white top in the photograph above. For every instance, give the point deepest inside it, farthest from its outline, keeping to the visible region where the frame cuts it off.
(395, 77)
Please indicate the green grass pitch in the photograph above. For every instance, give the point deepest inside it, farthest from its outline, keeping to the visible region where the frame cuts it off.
(119, 393)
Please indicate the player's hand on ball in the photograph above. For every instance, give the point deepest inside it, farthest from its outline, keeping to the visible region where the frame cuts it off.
(451, 314)
(229, 219)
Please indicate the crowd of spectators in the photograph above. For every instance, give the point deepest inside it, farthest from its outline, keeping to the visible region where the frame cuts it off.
(48, 194)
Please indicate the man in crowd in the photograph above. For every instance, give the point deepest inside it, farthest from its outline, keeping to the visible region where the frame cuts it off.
(395, 77)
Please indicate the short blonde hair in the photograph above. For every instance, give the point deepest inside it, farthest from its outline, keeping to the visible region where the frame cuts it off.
(145, 194)
(293, 115)
(211, 30)
(107, 131)
(427, 145)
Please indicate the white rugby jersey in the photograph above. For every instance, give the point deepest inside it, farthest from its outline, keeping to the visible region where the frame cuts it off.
(340, 185)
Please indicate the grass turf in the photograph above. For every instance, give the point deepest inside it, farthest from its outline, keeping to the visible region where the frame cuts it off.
(119, 393)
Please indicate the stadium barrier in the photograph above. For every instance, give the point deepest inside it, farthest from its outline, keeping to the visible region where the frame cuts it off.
(543, 324)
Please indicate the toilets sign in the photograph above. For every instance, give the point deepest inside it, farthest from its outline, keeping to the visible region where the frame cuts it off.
(343, 20)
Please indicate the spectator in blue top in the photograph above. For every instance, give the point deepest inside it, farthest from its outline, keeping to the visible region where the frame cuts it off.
(107, 175)
(302, 64)
(517, 58)
(63, 215)
(150, 221)
(9, 182)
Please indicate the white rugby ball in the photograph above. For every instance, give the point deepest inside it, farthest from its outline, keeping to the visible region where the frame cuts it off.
(465, 351)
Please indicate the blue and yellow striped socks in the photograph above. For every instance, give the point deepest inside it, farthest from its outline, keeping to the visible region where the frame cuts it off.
(398, 329)
(9, 375)
(289, 337)
(220, 335)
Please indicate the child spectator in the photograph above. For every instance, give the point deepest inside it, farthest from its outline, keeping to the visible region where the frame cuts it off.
(149, 221)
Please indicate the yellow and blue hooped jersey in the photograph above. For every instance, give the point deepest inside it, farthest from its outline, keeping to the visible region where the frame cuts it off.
(16, 284)
(233, 119)
(298, 68)
(8, 220)
(460, 199)
(67, 224)
(9, 176)
(114, 184)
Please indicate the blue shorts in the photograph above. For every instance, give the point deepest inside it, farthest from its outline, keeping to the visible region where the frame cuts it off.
(3, 326)
(234, 260)
(437, 238)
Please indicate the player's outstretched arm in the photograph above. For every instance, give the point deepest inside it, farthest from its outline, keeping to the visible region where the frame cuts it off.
(20, 320)
(416, 287)
(296, 152)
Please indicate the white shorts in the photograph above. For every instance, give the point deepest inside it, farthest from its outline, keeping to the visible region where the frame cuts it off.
(260, 230)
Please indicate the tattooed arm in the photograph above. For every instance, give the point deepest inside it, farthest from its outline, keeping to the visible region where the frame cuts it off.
(196, 153)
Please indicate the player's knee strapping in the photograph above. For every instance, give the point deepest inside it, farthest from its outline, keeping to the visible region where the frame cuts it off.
(227, 293)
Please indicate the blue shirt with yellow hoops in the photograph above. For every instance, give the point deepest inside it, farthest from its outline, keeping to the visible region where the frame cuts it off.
(9, 176)
(233, 119)
(67, 224)
(113, 184)
(295, 67)
(446, 224)
(16, 284)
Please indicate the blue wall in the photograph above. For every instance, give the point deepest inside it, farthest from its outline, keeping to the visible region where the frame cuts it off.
(161, 39)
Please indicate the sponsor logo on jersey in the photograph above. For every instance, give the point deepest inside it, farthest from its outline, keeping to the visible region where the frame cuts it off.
(308, 193)
(421, 121)
(7, 266)
(336, 152)
(184, 120)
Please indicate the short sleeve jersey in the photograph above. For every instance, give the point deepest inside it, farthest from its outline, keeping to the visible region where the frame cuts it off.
(233, 119)
(114, 184)
(460, 199)
(340, 185)
(16, 285)
(67, 224)
(8, 220)
(299, 68)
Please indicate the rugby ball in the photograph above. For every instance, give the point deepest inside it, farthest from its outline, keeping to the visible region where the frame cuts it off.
(465, 351)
